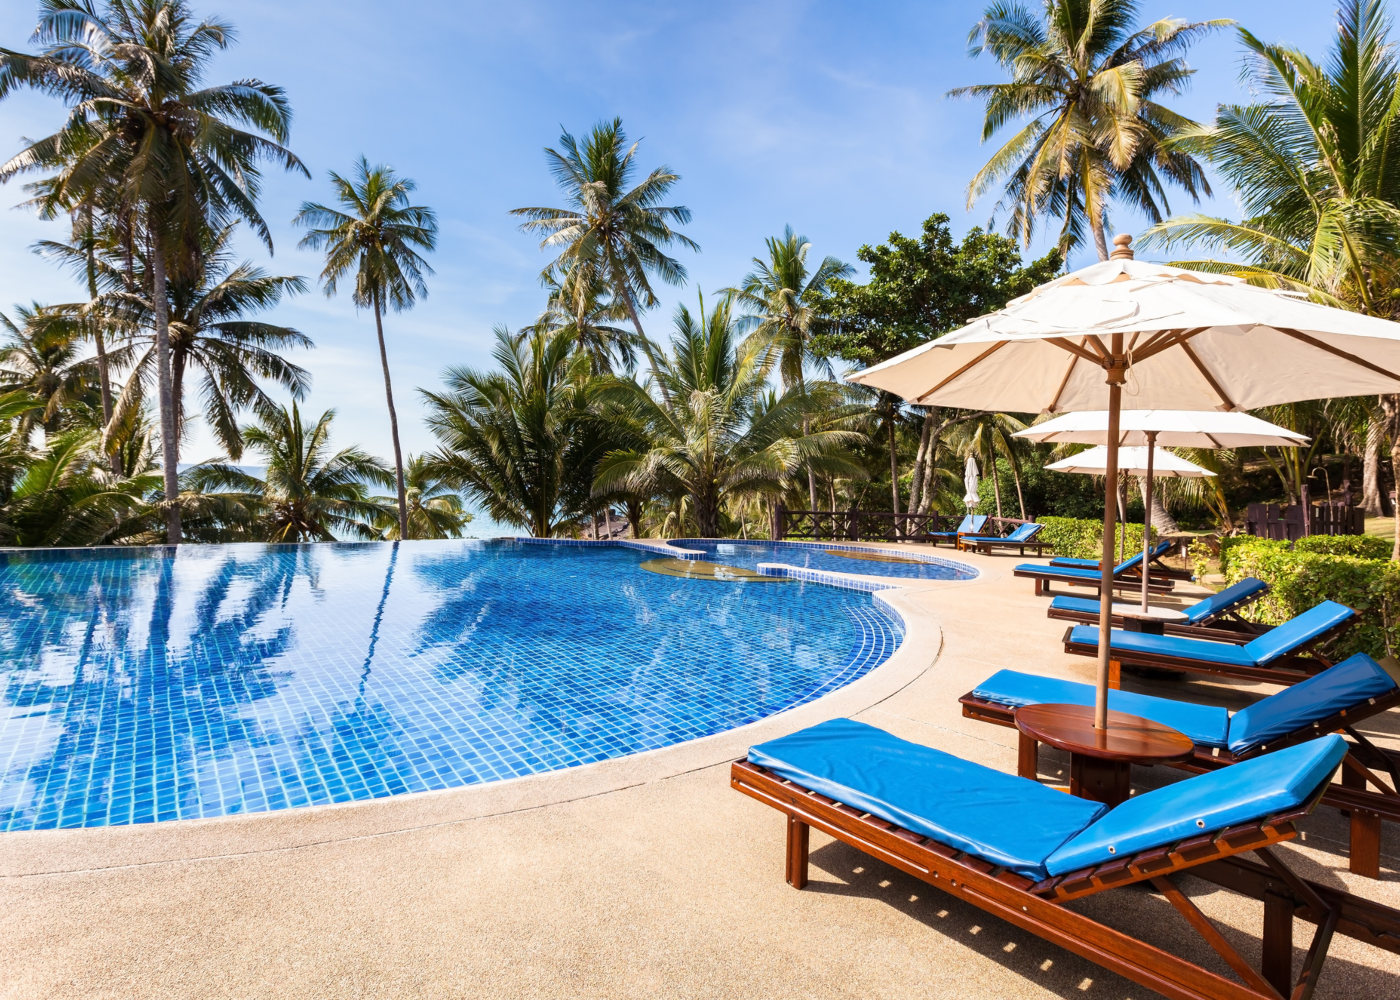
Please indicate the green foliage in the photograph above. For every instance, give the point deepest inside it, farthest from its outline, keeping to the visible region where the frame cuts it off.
(1076, 538)
(1362, 546)
(1299, 580)
(920, 288)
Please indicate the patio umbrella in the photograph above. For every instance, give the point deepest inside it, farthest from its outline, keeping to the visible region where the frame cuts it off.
(1174, 428)
(970, 482)
(1169, 338)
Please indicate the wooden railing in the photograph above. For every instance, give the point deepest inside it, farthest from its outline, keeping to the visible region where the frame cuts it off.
(1271, 520)
(872, 525)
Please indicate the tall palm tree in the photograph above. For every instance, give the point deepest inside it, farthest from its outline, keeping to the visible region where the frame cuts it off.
(374, 232)
(786, 303)
(308, 492)
(434, 506)
(1088, 80)
(146, 141)
(1315, 166)
(592, 323)
(41, 355)
(610, 232)
(711, 436)
(512, 440)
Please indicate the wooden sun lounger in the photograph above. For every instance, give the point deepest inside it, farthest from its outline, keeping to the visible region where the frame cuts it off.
(1038, 906)
(1045, 575)
(1363, 795)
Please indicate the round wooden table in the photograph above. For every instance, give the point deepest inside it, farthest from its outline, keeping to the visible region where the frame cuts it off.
(1100, 759)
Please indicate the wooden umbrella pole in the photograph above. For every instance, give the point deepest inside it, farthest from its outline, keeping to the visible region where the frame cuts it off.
(1115, 401)
(1147, 516)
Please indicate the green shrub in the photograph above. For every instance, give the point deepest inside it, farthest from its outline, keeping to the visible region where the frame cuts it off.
(1078, 538)
(1362, 546)
(1299, 579)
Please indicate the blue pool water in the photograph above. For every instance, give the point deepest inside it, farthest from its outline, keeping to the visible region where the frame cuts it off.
(140, 686)
(826, 557)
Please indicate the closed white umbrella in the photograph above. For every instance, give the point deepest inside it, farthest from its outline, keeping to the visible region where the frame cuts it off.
(970, 497)
(1170, 338)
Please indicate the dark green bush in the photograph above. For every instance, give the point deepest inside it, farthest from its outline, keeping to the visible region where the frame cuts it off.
(1080, 538)
(1362, 546)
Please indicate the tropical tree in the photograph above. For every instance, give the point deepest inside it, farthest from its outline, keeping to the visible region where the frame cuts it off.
(145, 141)
(1088, 81)
(374, 232)
(611, 232)
(592, 323)
(788, 305)
(308, 492)
(1315, 166)
(708, 440)
(513, 440)
(41, 355)
(434, 506)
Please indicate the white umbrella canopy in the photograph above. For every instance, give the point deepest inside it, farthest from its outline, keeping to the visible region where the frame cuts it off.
(1168, 337)
(1169, 428)
(1133, 461)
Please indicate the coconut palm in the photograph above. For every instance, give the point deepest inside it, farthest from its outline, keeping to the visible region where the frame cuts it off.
(592, 323)
(988, 437)
(514, 441)
(611, 232)
(708, 438)
(434, 506)
(1088, 80)
(786, 303)
(374, 232)
(146, 141)
(1314, 163)
(41, 355)
(308, 492)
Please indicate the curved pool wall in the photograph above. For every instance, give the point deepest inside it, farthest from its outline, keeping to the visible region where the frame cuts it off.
(150, 684)
(828, 557)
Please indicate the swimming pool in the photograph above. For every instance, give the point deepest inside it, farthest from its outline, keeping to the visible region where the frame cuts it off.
(141, 686)
(839, 557)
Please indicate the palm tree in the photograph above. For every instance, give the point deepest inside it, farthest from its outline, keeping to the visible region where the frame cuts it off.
(307, 493)
(712, 437)
(591, 323)
(514, 440)
(787, 306)
(141, 130)
(1088, 80)
(611, 232)
(434, 506)
(1314, 164)
(41, 356)
(988, 437)
(374, 232)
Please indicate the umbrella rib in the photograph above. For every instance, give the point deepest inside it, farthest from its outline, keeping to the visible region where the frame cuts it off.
(975, 361)
(1321, 346)
(1076, 349)
(1073, 360)
(1200, 367)
(1096, 345)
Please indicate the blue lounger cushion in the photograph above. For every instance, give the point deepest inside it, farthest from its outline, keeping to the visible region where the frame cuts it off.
(970, 522)
(1252, 790)
(1066, 572)
(1024, 533)
(1205, 725)
(1197, 614)
(1349, 684)
(1128, 563)
(1010, 821)
(1270, 646)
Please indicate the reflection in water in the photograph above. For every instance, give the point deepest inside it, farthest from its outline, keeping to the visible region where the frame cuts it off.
(137, 685)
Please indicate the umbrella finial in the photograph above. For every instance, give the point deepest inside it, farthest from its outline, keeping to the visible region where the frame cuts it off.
(1121, 250)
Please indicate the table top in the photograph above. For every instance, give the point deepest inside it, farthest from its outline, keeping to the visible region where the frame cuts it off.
(1135, 611)
(1129, 738)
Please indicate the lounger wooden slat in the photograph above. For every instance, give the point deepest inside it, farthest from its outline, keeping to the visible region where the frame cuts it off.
(1037, 907)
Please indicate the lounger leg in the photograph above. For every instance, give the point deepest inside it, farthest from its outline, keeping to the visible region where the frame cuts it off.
(798, 836)
(1027, 758)
(1115, 674)
(1278, 942)
(1365, 843)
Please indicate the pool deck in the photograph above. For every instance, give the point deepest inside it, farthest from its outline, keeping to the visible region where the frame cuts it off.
(639, 877)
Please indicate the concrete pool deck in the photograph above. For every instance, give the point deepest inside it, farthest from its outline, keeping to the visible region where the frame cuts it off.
(639, 877)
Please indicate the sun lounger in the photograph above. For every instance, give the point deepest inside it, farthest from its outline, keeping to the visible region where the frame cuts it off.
(1276, 656)
(970, 525)
(1125, 576)
(1338, 698)
(1020, 850)
(1154, 566)
(1216, 617)
(1021, 539)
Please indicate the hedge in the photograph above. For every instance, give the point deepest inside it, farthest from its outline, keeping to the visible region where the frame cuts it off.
(1077, 538)
(1300, 576)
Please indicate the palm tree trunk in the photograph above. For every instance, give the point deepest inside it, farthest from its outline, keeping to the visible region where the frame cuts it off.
(104, 379)
(996, 484)
(646, 344)
(1020, 497)
(916, 488)
(1373, 499)
(393, 423)
(894, 468)
(169, 435)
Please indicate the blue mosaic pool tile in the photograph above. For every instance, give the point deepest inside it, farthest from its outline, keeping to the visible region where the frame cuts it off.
(148, 684)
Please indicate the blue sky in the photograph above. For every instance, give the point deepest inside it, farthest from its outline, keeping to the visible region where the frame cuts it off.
(828, 116)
